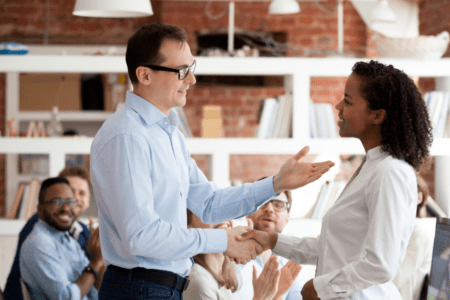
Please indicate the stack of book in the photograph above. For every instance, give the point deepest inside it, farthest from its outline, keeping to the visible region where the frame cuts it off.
(25, 203)
(275, 118)
(438, 103)
(322, 122)
(328, 194)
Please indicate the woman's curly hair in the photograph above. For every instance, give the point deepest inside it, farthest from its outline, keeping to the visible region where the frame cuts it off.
(406, 132)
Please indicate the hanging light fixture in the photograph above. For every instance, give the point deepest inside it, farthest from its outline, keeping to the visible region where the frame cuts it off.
(113, 8)
(383, 13)
(284, 7)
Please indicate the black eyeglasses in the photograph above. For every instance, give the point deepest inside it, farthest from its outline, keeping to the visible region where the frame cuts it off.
(72, 202)
(278, 205)
(182, 73)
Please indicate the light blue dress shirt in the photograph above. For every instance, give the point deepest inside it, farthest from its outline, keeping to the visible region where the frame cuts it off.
(246, 290)
(144, 179)
(51, 261)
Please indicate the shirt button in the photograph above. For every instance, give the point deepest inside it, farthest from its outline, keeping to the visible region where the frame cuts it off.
(165, 123)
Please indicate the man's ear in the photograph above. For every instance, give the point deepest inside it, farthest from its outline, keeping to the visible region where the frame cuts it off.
(143, 75)
(380, 116)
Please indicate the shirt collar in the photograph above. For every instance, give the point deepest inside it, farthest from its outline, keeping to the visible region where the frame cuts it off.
(375, 153)
(76, 230)
(148, 112)
(53, 231)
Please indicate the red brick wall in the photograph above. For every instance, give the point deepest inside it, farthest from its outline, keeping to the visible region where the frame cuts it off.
(434, 17)
(312, 32)
(308, 32)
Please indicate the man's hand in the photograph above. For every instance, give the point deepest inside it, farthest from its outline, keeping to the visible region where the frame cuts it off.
(289, 273)
(309, 292)
(94, 249)
(267, 240)
(265, 286)
(295, 173)
(241, 251)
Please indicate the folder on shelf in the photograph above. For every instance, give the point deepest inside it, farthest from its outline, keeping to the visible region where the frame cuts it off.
(284, 130)
(278, 116)
(18, 199)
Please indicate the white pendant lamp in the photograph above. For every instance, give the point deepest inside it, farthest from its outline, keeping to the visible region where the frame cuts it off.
(383, 13)
(113, 8)
(284, 7)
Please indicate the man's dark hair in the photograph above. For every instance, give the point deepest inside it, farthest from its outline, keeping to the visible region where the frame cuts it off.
(143, 47)
(47, 183)
(287, 193)
(406, 132)
(75, 171)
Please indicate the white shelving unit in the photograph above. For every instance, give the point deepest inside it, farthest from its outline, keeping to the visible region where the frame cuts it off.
(296, 71)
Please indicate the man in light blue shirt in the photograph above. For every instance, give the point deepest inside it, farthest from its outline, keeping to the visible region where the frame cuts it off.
(144, 179)
(52, 262)
(273, 217)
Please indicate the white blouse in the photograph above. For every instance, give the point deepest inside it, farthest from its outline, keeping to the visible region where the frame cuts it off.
(203, 286)
(364, 234)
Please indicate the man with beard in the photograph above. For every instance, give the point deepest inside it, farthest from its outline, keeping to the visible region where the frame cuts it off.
(273, 217)
(52, 262)
(79, 180)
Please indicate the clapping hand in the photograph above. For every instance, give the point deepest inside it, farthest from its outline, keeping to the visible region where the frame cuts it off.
(266, 285)
(295, 173)
(289, 273)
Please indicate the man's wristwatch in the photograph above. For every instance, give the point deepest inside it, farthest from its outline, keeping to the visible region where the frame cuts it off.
(92, 271)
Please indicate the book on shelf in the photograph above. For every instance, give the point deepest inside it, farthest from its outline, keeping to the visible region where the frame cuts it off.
(275, 118)
(443, 114)
(25, 203)
(17, 201)
(328, 194)
(268, 114)
(32, 200)
(321, 121)
(285, 127)
(312, 120)
(331, 123)
(278, 119)
(438, 104)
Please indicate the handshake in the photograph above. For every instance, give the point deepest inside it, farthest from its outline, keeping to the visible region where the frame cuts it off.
(245, 243)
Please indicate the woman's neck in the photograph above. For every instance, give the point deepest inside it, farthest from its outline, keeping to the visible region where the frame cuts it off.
(372, 139)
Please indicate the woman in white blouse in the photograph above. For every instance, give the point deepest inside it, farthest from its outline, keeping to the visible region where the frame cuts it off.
(215, 277)
(365, 233)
